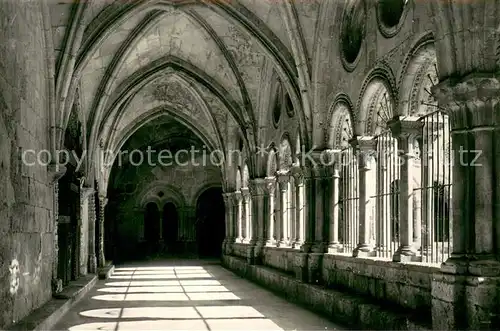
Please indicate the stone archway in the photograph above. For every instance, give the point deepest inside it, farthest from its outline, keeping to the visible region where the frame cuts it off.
(210, 225)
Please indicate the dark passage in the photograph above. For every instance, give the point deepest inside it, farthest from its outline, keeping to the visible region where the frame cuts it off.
(170, 227)
(210, 227)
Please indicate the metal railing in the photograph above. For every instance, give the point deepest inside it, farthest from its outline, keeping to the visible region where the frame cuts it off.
(348, 200)
(387, 195)
(434, 189)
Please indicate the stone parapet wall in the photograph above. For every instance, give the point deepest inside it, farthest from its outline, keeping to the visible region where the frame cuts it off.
(405, 284)
(279, 258)
(354, 310)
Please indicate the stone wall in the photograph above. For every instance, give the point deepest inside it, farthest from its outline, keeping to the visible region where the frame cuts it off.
(404, 284)
(84, 239)
(26, 197)
(381, 292)
(279, 258)
(340, 305)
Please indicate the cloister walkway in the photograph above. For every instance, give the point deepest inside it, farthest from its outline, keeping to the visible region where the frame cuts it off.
(185, 295)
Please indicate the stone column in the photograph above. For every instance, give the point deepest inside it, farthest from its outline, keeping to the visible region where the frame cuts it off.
(318, 199)
(102, 205)
(239, 212)
(86, 196)
(91, 241)
(283, 220)
(365, 148)
(334, 244)
(247, 228)
(228, 203)
(54, 173)
(301, 258)
(257, 221)
(270, 187)
(309, 211)
(469, 284)
(417, 197)
(407, 130)
(298, 177)
(428, 163)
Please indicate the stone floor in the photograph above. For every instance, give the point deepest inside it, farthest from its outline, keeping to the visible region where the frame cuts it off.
(185, 295)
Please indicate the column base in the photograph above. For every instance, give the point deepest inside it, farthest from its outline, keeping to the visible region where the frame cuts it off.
(306, 247)
(282, 243)
(319, 247)
(57, 286)
(334, 248)
(101, 260)
(363, 251)
(92, 264)
(297, 244)
(229, 246)
(270, 243)
(405, 254)
(224, 244)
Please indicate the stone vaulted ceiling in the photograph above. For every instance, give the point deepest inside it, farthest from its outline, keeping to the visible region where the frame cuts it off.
(201, 62)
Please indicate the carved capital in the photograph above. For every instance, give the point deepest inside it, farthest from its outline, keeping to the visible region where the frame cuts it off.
(237, 196)
(298, 176)
(55, 172)
(270, 185)
(365, 147)
(245, 193)
(228, 199)
(472, 101)
(86, 192)
(406, 127)
(257, 187)
(363, 143)
(283, 179)
(103, 200)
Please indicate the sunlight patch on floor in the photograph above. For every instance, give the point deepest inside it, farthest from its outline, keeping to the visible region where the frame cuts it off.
(175, 312)
(181, 325)
(193, 286)
(164, 289)
(167, 296)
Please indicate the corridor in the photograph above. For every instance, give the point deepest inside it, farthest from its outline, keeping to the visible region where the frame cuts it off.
(185, 295)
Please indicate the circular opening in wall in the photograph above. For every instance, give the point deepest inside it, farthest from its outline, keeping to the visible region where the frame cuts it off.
(390, 14)
(161, 194)
(353, 31)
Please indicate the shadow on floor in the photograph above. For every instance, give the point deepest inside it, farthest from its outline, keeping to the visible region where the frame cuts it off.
(185, 295)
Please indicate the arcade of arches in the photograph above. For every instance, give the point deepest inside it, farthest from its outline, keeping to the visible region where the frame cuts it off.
(341, 153)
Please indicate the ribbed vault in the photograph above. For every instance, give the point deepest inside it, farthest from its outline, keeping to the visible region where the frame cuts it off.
(116, 54)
